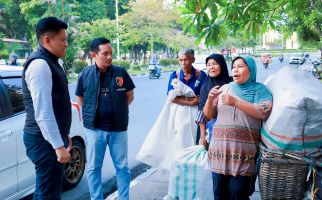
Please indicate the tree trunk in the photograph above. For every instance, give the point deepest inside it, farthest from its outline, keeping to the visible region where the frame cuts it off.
(151, 52)
(85, 55)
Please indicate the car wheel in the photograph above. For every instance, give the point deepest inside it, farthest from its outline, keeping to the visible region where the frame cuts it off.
(75, 168)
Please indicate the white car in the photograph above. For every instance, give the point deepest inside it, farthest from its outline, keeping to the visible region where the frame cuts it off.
(297, 59)
(17, 173)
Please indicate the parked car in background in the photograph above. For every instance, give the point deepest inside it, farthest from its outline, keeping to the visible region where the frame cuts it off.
(297, 59)
(17, 173)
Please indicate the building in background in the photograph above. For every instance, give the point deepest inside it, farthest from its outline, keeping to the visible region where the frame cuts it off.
(292, 42)
(271, 40)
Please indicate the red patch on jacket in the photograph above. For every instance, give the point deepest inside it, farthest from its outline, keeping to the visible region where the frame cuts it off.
(119, 81)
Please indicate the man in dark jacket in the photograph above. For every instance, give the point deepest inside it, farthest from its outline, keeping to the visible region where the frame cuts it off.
(105, 91)
(48, 108)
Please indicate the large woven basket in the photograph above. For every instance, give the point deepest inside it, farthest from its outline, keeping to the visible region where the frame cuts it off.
(281, 177)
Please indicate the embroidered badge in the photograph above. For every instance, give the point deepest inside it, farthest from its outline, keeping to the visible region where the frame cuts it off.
(119, 81)
(197, 83)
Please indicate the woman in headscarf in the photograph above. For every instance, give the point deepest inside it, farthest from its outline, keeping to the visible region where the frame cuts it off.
(217, 76)
(239, 107)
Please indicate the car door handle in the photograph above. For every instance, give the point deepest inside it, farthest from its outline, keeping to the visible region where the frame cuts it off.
(5, 134)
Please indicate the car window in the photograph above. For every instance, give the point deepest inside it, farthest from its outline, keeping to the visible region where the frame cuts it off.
(15, 93)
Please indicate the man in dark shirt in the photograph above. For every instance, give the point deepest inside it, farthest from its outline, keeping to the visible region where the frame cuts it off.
(105, 91)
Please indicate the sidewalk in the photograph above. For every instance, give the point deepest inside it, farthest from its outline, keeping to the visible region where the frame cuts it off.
(153, 185)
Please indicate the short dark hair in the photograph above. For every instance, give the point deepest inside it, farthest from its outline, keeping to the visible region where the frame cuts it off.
(96, 42)
(49, 24)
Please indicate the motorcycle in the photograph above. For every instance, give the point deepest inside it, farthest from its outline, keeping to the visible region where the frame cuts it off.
(306, 55)
(265, 64)
(154, 72)
(281, 58)
(315, 69)
(266, 59)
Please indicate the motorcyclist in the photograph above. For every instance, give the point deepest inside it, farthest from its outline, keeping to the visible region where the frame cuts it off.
(281, 58)
(13, 58)
(154, 71)
(265, 61)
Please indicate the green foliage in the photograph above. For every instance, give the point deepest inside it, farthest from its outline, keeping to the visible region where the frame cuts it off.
(33, 11)
(12, 23)
(148, 24)
(167, 62)
(4, 54)
(79, 65)
(90, 30)
(110, 6)
(90, 10)
(212, 21)
(174, 61)
(123, 63)
(70, 55)
(2, 44)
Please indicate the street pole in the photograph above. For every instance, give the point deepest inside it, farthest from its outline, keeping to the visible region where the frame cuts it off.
(117, 28)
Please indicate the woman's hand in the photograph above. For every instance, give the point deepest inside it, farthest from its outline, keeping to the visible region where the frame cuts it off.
(214, 92)
(228, 100)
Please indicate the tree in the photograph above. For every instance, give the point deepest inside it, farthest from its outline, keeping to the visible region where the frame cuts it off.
(110, 8)
(34, 10)
(90, 30)
(12, 23)
(89, 10)
(215, 20)
(148, 23)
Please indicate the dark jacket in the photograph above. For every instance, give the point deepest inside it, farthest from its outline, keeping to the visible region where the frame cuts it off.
(60, 95)
(90, 80)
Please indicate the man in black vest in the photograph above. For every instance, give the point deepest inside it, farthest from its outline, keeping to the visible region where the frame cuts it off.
(105, 91)
(48, 108)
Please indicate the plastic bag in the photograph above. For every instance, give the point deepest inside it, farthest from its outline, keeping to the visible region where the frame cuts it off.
(190, 176)
(295, 122)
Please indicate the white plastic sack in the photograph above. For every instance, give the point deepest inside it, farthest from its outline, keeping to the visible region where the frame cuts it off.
(295, 122)
(173, 130)
(190, 176)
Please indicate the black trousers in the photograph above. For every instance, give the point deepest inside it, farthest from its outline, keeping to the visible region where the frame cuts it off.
(49, 172)
(231, 187)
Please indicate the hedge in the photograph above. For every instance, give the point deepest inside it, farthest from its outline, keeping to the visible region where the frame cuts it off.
(123, 63)
(167, 62)
(79, 65)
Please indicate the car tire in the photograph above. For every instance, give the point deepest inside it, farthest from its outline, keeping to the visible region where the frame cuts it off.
(75, 168)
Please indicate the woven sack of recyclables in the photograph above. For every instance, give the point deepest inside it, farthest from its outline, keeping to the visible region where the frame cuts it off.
(173, 130)
(295, 123)
(190, 176)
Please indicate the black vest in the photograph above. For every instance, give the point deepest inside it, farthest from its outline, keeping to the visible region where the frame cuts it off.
(60, 95)
(91, 81)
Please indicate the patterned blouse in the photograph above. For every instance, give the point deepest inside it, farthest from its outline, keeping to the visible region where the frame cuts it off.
(235, 138)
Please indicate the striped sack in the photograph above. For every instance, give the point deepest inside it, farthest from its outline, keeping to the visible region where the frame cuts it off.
(190, 176)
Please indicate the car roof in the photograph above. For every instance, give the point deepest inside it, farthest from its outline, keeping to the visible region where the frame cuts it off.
(7, 70)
